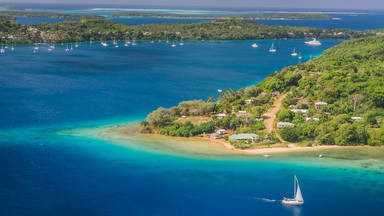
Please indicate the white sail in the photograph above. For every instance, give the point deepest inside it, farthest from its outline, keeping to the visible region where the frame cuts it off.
(299, 197)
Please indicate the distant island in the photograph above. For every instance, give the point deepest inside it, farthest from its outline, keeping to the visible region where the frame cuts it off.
(12, 15)
(105, 30)
(11, 8)
(270, 16)
(336, 99)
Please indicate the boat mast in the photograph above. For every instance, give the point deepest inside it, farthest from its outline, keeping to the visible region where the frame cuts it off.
(294, 186)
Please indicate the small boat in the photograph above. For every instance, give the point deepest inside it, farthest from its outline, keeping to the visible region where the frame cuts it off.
(114, 42)
(266, 155)
(321, 156)
(49, 49)
(219, 90)
(117, 46)
(173, 44)
(298, 198)
(294, 53)
(134, 43)
(12, 48)
(181, 42)
(254, 45)
(152, 41)
(76, 45)
(126, 44)
(67, 50)
(36, 47)
(300, 56)
(313, 42)
(104, 44)
(2, 50)
(71, 47)
(90, 41)
(272, 49)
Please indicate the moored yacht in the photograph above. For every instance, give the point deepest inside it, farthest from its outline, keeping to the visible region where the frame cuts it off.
(254, 45)
(272, 49)
(2, 50)
(313, 42)
(294, 53)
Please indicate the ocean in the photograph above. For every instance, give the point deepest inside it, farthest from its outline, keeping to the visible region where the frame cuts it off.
(55, 159)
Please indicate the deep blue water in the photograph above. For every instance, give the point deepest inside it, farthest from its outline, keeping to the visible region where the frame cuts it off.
(46, 172)
(52, 87)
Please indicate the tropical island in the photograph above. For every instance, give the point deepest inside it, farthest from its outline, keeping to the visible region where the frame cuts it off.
(106, 30)
(12, 15)
(264, 16)
(336, 99)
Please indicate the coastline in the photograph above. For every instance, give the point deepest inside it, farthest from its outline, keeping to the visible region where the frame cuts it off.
(193, 145)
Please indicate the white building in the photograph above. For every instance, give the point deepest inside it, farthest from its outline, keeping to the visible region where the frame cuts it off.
(221, 115)
(284, 124)
(304, 111)
(357, 119)
(320, 104)
(248, 101)
(244, 137)
(221, 131)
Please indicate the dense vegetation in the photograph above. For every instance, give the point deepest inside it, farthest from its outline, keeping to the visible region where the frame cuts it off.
(349, 77)
(236, 16)
(14, 14)
(102, 30)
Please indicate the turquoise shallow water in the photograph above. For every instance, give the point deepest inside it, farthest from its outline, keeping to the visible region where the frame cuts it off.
(49, 165)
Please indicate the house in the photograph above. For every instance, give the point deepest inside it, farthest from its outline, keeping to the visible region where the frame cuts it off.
(221, 131)
(281, 125)
(274, 94)
(356, 119)
(304, 111)
(221, 115)
(312, 119)
(215, 136)
(321, 104)
(248, 101)
(242, 112)
(244, 137)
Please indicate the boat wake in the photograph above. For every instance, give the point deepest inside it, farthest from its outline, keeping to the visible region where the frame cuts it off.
(264, 199)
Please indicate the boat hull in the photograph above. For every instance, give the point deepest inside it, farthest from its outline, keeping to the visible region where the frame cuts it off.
(291, 202)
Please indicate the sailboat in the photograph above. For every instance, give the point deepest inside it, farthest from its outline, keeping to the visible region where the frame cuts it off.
(272, 49)
(67, 50)
(298, 198)
(134, 42)
(254, 45)
(76, 45)
(300, 57)
(294, 53)
(181, 42)
(71, 47)
(12, 48)
(173, 44)
(2, 50)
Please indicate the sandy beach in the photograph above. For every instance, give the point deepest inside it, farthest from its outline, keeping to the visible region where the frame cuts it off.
(196, 144)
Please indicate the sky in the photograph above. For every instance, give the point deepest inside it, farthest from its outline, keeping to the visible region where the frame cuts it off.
(316, 4)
